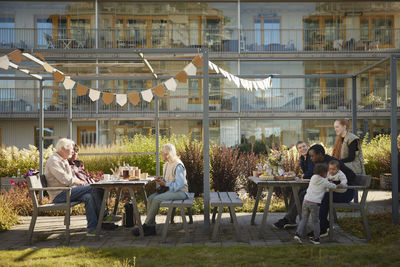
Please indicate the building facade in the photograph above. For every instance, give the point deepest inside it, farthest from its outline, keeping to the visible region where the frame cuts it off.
(244, 37)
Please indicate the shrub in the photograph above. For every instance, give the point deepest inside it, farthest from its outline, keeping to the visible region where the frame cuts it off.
(226, 166)
(250, 161)
(377, 155)
(8, 215)
(192, 157)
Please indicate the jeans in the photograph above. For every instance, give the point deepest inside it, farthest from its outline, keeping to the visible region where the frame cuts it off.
(153, 204)
(92, 199)
(292, 209)
(307, 209)
(345, 197)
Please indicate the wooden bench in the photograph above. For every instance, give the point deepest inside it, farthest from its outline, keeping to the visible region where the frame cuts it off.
(219, 200)
(38, 183)
(173, 204)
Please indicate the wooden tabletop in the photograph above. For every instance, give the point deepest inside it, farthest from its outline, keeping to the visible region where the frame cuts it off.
(257, 180)
(123, 182)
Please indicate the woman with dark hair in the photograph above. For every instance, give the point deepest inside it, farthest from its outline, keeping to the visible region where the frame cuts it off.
(347, 147)
(78, 168)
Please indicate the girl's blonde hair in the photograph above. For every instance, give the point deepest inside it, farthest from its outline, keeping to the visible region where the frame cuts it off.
(170, 150)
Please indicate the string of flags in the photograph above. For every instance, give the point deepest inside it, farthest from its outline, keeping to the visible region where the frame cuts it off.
(134, 98)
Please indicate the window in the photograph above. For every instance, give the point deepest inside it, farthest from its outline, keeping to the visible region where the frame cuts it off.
(7, 25)
(267, 31)
(378, 29)
(86, 135)
(44, 28)
(321, 32)
(131, 32)
(196, 91)
(375, 89)
(48, 133)
(7, 88)
(205, 31)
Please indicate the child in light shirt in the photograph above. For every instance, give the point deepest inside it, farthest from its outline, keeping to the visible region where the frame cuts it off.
(312, 200)
(336, 176)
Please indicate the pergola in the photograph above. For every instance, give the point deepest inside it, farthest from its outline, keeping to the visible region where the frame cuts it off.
(392, 58)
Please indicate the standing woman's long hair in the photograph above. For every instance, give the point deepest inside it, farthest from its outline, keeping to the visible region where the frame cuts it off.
(337, 147)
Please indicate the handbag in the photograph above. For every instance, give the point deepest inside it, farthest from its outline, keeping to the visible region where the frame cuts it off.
(162, 189)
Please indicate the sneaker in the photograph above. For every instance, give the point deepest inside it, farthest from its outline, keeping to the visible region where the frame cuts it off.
(297, 239)
(315, 241)
(324, 233)
(284, 224)
(93, 233)
(111, 218)
(290, 225)
(109, 226)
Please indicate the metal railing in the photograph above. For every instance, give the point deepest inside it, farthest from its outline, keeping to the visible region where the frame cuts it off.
(243, 40)
(25, 100)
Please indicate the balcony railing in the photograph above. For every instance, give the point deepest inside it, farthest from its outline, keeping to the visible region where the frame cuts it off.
(234, 40)
(25, 100)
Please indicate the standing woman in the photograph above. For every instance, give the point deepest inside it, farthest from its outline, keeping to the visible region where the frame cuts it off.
(347, 147)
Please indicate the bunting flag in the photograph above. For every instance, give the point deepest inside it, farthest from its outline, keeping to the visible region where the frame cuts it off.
(134, 98)
(260, 85)
(108, 98)
(4, 62)
(190, 69)
(48, 68)
(170, 84)
(68, 83)
(147, 95)
(39, 55)
(15, 56)
(94, 94)
(121, 99)
(210, 65)
(198, 61)
(159, 90)
(181, 76)
(58, 77)
(81, 89)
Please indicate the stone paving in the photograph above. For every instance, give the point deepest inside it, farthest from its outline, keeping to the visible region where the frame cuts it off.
(49, 232)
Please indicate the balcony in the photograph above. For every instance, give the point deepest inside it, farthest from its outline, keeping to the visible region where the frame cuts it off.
(265, 41)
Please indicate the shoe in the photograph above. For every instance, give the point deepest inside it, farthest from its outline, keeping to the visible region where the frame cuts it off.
(284, 224)
(290, 225)
(315, 241)
(93, 233)
(310, 234)
(109, 226)
(111, 218)
(136, 231)
(322, 234)
(297, 239)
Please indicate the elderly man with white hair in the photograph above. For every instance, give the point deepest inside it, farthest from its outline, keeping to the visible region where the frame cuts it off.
(59, 174)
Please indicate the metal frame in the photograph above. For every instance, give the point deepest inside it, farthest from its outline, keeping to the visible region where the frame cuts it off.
(204, 51)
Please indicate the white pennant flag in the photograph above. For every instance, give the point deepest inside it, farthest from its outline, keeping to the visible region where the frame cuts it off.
(170, 84)
(210, 65)
(255, 85)
(260, 85)
(94, 94)
(267, 82)
(243, 82)
(121, 99)
(4, 62)
(48, 68)
(215, 68)
(68, 83)
(147, 95)
(250, 85)
(223, 72)
(236, 81)
(190, 69)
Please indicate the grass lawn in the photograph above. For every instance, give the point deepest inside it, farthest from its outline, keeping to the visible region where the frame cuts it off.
(383, 250)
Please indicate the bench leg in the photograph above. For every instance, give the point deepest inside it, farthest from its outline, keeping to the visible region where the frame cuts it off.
(216, 225)
(230, 214)
(265, 214)
(165, 229)
(235, 223)
(32, 226)
(214, 212)
(67, 220)
(185, 226)
(365, 223)
(173, 215)
(189, 210)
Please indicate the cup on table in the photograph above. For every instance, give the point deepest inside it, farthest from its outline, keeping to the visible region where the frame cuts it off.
(106, 177)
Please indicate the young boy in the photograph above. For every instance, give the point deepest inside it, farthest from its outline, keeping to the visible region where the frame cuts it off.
(312, 200)
(336, 176)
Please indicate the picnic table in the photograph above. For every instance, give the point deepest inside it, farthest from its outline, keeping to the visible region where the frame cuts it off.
(119, 184)
(271, 184)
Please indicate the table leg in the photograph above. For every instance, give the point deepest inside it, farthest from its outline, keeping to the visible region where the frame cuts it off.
(253, 215)
(295, 190)
(102, 209)
(136, 211)
(117, 200)
(144, 196)
(285, 197)
(265, 214)
(216, 225)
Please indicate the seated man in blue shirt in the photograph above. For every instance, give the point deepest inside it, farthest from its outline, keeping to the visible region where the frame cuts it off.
(175, 179)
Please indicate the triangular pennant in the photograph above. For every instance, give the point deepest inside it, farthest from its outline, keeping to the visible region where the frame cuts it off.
(198, 61)
(236, 81)
(216, 69)
(134, 98)
(223, 72)
(190, 69)
(81, 89)
(108, 98)
(58, 77)
(229, 76)
(210, 65)
(15, 56)
(250, 85)
(255, 85)
(48, 68)
(121, 99)
(147, 95)
(181, 77)
(4, 62)
(243, 82)
(260, 85)
(39, 55)
(94, 94)
(159, 90)
(68, 83)
(170, 84)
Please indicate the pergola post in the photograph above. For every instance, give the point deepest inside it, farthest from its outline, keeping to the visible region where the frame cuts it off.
(206, 141)
(41, 125)
(354, 115)
(393, 135)
(157, 137)
(69, 117)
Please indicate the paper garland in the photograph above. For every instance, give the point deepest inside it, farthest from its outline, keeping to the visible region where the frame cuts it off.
(58, 77)
(147, 95)
(68, 83)
(108, 98)
(48, 68)
(159, 90)
(198, 61)
(121, 99)
(4, 62)
(81, 89)
(190, 69)
(181, 76)
(15, 56)
(134, 98)
(170, 84)
(94, 94)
